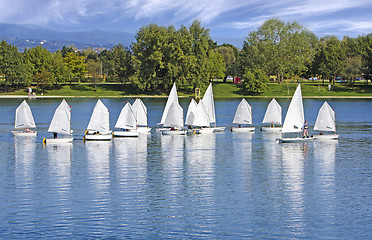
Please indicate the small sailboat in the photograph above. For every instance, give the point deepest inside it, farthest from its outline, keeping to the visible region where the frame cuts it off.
(243, 117)
(60, 124)
(174, 120)
(99, 124)
(273, 116)
(325, 122)
(126, 121)
(208, 101)
(140, 112)
(197, 118)
(295, 118)
(24, 121)
(173, 97)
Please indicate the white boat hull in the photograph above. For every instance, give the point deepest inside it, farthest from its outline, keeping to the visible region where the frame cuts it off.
(200, 130)
(242, 129)
(126, 134)
(143, 129)
(271, 129)
(98, 137)
(325, 137)
(24, 133)
(218, 129)
(294, 140)
(173, 132)
(58, 140)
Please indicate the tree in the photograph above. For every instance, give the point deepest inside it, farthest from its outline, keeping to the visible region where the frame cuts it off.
(216, 64)
(330, 58)
(229, 54)
(255, 81)
(11, 63)
(76, 65)
(278, 48)
(122, 63)
(94, 70)
(44, 79)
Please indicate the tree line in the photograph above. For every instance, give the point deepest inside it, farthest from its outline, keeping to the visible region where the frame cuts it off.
(163, 55)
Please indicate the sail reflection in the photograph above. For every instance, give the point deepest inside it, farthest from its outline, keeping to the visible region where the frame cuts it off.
(129, 163)
(293, 157)
(24, 151)
(98, 157)
(324, 174)
(242, 146)
(172, 147)
(59, 157)
(200, 153)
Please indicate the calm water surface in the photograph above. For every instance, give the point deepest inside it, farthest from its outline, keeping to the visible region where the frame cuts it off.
(212, 186)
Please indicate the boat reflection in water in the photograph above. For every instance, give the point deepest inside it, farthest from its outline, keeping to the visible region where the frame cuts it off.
(59, 159)
(24, 151)
(293, 157)
(242, 150)
(172, 147)
(324, 178)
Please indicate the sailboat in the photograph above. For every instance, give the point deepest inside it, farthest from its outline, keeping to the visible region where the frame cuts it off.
(295, 118)
(208, 101)
(60, 124)
(24, 121)
(243, 117)
(173, 97)
(140, 112)
(325, 122)
(126, 121)
(197, 118)
(174, 120)
(273, 116)
(99, 124)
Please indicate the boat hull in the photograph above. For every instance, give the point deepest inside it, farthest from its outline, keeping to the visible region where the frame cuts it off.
(294, 140)
(58, 140)
(271, 129)
(242, 129)
(218, 129)
(326, 137)
(173, 132)
(24, 133)
(98, 137)
(200, 130)
(143, 129)
(126, 134)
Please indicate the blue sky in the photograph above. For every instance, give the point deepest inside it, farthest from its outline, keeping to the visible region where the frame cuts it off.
(224, 18)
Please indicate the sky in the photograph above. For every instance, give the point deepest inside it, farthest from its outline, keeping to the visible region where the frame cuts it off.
(224, 18)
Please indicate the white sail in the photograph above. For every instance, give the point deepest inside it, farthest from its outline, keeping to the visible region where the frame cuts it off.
(190, 114)
(208, 101)
(295, 117)
(174, 117)
(126, 119)
(326, 120)
(172, 97)
(23, 117)
(273, 113)
(61, 121)
(100, 119)
(243, 114)
(140, 112)
(200, 116)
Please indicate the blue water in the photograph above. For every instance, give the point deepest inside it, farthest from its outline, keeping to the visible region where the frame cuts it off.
(212, 186)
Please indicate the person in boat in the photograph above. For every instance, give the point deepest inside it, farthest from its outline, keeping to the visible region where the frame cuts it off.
(172, 129)
(305, 129)
(55, 135)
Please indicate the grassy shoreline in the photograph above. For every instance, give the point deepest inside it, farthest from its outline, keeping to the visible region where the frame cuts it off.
(220, 90)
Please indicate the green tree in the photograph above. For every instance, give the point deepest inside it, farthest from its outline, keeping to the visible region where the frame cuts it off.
(76, 65)
(216, 65)
(122, 63)
(11, 63)
(278, 48)
(44, 79)
(94, 70)
(255, 81)
(229, 55)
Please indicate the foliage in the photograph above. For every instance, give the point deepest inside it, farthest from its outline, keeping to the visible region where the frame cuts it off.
(255, 81)
(278, 48)
(11, 63)
(76, 64)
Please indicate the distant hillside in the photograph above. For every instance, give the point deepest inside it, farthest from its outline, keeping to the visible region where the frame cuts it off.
(24, 36)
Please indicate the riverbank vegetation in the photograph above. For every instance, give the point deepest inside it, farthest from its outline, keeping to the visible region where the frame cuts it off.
(272, 58)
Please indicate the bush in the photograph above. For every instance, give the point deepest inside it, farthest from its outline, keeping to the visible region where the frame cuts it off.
(255, 81)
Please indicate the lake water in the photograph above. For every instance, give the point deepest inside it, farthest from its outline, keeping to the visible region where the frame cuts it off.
(213, 186)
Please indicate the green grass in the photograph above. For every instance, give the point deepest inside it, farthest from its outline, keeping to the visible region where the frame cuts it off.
(220, 90)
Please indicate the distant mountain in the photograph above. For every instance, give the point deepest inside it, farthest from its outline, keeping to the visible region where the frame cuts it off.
(25, 36)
